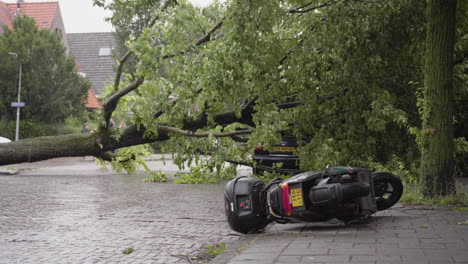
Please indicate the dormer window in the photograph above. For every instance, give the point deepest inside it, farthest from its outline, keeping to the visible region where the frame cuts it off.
(103, 52)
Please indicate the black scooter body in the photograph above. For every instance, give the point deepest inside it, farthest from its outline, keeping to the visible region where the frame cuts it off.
(244, 204)
(344, 193)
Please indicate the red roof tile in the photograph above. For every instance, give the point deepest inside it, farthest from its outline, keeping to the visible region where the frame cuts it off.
(42, 12)
(92, 101)
(6, 18)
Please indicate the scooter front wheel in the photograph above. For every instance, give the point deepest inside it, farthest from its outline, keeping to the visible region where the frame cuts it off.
(388, 189)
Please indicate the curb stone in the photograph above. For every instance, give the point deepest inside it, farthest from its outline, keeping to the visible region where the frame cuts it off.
(9, 172)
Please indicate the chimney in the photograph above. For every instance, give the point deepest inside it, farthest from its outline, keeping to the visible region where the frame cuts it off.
(18, 10)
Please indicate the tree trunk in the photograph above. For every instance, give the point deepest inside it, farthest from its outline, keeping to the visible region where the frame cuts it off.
(75, 145)
(437, 157)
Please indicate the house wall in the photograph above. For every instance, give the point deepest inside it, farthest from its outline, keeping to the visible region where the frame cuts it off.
(57, 26)
(41, 12)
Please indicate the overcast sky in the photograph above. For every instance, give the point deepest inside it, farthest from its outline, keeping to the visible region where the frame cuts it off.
(80, 16)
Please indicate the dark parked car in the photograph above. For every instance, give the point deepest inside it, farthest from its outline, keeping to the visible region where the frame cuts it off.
(282, 153)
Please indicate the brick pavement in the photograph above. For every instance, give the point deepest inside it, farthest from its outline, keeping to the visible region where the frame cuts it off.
(60, 215)
(69, 213)
(404, 234)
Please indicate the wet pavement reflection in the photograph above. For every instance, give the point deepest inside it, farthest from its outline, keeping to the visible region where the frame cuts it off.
(91, 216)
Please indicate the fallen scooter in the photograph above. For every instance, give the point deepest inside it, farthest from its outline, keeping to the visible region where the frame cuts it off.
(344, 193)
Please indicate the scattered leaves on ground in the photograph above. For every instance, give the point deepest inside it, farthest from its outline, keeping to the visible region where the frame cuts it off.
(127, 251)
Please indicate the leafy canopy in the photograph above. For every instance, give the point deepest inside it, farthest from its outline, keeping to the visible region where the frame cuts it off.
(352, 67)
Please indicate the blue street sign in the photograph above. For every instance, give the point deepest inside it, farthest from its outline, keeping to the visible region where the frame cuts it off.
(17, 104)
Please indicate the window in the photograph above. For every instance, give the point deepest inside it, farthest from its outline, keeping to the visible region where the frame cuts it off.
(104, 52)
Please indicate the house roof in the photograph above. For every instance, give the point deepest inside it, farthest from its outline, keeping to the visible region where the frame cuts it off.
(86, 47)
(6, 18)
(42, 12)
(92, 101)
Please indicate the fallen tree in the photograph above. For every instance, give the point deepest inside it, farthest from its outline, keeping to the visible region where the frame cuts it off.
(99, 144)
(345, 74)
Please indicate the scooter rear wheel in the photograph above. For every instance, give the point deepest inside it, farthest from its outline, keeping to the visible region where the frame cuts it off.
(388, 189)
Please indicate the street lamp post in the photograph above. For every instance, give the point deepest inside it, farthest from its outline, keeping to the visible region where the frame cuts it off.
(15, 55)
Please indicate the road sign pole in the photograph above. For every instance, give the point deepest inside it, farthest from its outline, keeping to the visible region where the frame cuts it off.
(18, 108)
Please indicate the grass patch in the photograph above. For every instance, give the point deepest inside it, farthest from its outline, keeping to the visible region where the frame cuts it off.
(74, 125)
(412, 194)
(214, 251)
(460, 208)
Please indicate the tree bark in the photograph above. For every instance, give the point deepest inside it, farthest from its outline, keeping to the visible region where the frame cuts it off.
(95, 144)
(437, 154)
(75, 145)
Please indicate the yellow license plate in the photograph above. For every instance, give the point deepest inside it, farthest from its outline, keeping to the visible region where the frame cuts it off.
(284, 149)
(296, 197)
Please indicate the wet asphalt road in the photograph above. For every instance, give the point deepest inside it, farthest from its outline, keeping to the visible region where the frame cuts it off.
(71, 211)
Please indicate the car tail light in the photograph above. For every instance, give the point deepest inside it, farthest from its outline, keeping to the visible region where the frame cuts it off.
(259, 147)
(286, 199)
